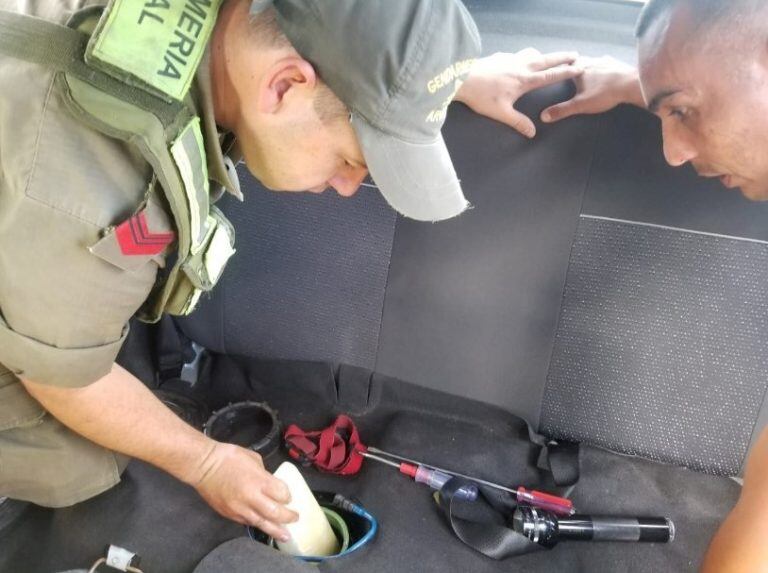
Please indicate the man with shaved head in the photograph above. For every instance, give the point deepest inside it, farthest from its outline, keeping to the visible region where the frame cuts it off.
(703, 70)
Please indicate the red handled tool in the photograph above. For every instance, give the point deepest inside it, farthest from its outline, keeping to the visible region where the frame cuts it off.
(426, 475)
(549, 502)
(337, 449)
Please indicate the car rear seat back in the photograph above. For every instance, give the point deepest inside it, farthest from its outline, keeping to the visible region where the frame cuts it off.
(592, 290)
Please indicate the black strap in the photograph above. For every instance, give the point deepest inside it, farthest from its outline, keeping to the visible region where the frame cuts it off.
(563, 460)
(173, 350)
(485, 530)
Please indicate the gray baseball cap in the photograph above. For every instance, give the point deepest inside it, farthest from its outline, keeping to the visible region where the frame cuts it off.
(396, 64)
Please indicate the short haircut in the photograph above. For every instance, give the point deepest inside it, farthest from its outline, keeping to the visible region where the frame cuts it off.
(266, 33)
(705, 11)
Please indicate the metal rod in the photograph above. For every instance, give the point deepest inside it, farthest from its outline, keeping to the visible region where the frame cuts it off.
(449, 472)
(378, 459)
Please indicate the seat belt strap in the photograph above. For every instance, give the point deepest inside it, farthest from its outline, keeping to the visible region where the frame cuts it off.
(173, 350)
(482, 524)
(563, 460)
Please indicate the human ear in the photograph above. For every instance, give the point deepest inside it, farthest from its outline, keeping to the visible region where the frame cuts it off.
(283, 76)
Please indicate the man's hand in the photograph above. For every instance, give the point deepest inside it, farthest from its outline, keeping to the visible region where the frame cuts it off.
(234, 482)
(605, 83)
(496, 83)
(118, 412)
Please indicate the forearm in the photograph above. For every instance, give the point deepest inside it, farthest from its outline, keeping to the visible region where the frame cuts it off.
(631, 90)
(739, 545)
(118, 412)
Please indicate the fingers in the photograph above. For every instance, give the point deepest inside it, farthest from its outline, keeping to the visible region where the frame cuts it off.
(271, 511)
(561, 111)
(272, 508)
(546, 61)
(271, 499)
(561, 73)
(240, 488)
(273, 487)
(266, 514)
(519, 122)
(525, 53)
(259, 522)
(277, 490)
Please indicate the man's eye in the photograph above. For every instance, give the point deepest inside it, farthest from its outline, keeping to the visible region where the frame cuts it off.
(679, 113)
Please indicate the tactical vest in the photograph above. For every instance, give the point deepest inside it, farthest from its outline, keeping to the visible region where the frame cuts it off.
(126, 71)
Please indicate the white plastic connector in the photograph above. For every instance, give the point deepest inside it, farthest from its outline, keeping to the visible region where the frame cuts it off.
(119, 558)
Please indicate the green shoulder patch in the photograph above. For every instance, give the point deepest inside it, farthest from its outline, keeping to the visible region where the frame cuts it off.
(159, 42)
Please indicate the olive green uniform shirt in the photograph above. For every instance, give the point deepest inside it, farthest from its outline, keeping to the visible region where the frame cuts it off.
(65, 296)
(66, 289)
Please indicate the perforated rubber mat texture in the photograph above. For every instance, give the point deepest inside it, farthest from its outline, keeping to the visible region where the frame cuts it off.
(172, 529)
(660, 350)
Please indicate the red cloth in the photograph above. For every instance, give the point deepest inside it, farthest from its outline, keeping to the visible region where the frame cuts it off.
(336, 449)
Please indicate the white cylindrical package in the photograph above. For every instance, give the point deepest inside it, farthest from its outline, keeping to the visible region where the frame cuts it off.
(311, 534)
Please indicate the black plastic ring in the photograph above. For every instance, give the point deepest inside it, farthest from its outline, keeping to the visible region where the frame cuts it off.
(252, 425)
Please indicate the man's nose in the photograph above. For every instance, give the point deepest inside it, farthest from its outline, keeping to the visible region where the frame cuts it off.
(348, 182)
(679, 147)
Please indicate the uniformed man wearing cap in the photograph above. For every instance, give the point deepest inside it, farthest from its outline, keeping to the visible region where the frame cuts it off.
(120, 127)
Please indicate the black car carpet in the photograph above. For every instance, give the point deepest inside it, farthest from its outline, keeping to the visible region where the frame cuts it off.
(173, 530)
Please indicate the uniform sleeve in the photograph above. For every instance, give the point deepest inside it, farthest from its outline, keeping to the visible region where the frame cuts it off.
(68, 367)
(63, 308)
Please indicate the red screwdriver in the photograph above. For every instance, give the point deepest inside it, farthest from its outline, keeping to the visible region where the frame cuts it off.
(549, 502)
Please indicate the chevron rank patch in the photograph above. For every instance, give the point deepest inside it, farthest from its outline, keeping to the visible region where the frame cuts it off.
(135, 238)
(140, 238)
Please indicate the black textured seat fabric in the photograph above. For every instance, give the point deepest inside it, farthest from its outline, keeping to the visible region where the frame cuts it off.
(307, 282)
(660, 348)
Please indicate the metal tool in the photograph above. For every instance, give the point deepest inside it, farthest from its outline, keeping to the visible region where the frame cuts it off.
(549, 502)
(422, 474)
